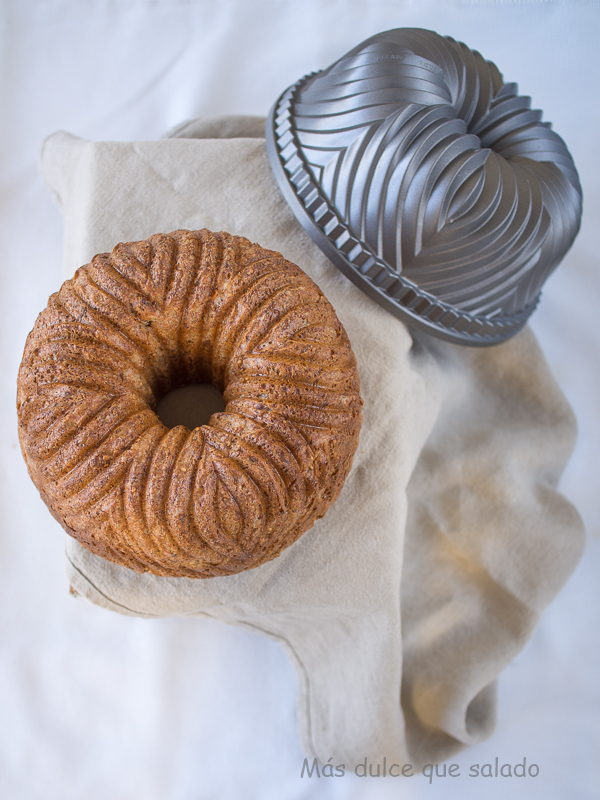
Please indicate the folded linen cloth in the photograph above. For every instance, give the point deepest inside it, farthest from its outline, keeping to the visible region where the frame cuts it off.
(402, 605)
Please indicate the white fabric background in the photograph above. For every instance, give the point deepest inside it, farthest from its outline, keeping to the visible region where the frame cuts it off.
(100, 706)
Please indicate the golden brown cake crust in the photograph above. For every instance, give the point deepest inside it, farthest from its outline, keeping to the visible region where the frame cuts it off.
(188, 307)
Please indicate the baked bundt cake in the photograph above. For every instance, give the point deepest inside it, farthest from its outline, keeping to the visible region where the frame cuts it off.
(184, 308)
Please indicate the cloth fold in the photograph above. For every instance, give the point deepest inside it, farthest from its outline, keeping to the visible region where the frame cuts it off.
(402, 605)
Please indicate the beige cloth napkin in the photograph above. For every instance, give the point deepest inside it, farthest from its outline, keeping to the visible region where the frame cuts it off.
(402, 605)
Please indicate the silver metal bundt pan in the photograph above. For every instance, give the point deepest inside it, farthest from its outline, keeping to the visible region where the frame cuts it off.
(429, 182)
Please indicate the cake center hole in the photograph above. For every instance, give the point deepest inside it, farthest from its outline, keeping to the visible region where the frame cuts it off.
(191, 406)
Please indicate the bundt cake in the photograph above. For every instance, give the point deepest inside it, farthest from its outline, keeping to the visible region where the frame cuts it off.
(183, 308)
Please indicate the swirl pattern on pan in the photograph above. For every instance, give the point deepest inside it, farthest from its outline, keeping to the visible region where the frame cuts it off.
(188, 307)
(426, 171)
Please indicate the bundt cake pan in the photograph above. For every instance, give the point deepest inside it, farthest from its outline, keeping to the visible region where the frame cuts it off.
(429, 182)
